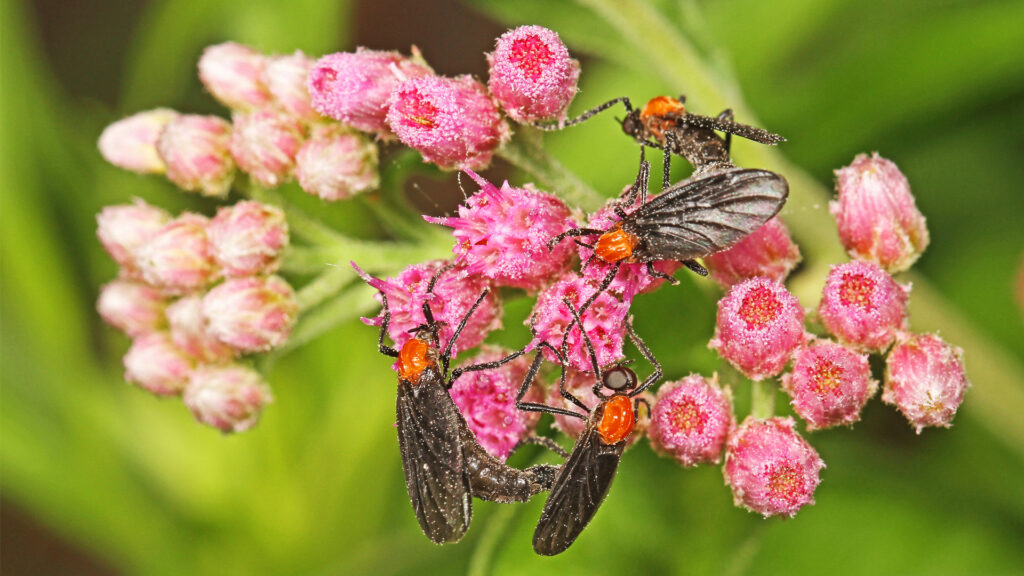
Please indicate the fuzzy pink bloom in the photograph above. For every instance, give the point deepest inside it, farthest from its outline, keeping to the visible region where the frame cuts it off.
(863, 306)
(337, 163)
(264, 144)
(877, 217)
(190, 333)
(452, 122)
(178, 258)
(248, 238)
(691, 419)
(829, 384)
(132, 307)
(229, 398)
(925, 378)
(532, 75)
(503, 233)
(759, 326)
(122, 229)
(130, 143)
(768, 252)
(487, 399)
(581, 385)
(285, 77)
(354, 87)
(251, 314)
(155, 364)
(770, 468)
(233, 73)
(195, 149)
(455, 292)
(604, 321)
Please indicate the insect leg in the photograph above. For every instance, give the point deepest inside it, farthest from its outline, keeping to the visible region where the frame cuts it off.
(649, 356)
(656, 274)
(386, 350)
(727, 116)
(533, 406)
(682, 99)
(484, 366)
(636, 408)
(695, 267)
(586, 115)
(670, 145)
(640, 184)
(571, 234)
(586, 341)
(541, 441)
(446, 353)
(604, 286)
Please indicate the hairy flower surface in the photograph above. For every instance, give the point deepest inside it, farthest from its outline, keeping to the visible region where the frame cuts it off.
(863, 306)
(233, 73)
(876, 213)
(925, 379)
(285, 78)
(452, 122)
(248, 237)
(829, 384)
(178, 258)
(502, 233)
(691, 419)
(132, 307)
(130, 143)
(229, 398)
(759, 326)
(354, 87)
(190, 333)
(264, 144)
(196, 151)
(157, 365)
(768, 252)
(532, 75)
(251, 314)
(122, 229)
(770, 468)
(336, 163)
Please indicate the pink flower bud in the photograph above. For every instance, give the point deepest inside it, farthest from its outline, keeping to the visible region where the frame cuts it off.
(248, 237)
(229, 398)
(190, 333)
(233, 73)
(455, 292)
(122, 229)
(130, 143)
(877, 217)
(691, 419)
(829, 384)
(532, 75)
(195, 149)
(863, 306)
(925, 379)
(132, 307)
(285, 77)
(604, 321)
(759, 326)
(251, 314)
(354, 87)
(770, 468)
(452, 122)
(768, 252)
(178, 258)
(487, 399)
(264, 144)
(502, 234)
(336, 163)
(581, 385)
(155, 364)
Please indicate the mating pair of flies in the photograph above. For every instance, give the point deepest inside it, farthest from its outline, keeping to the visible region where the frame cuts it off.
(445, 466)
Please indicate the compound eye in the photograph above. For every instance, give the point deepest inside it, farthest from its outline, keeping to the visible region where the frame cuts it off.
(620, 379)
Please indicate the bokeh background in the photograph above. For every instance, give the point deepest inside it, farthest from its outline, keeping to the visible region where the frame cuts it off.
(98, 477)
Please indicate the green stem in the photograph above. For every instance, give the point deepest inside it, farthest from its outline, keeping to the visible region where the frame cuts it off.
(762, 399)
(323, 287)
(483, 554)
(527, 153)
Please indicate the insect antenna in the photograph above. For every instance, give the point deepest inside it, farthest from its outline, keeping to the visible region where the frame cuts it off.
(649, 356)
(446, 353)
(586, 115)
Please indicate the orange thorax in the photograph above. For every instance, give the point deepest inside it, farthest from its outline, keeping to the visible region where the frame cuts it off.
(660, 114)
(617, 420)
(413, 359)
(616, 245)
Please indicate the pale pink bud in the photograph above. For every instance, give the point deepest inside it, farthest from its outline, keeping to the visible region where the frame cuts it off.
(132, 307)
(264, 144)
(190, 333)
(155, 364)
(130, 143)
(581, 385)
(178, 258)
(532, 75)
(229, 398)
(336, 163)
(759, 326)
(768, 252)
(233, 73)
(925, 378)
(452, 122)
(877, 217)
(251, 314)
(863, 306)
(354, 87)
(248, 237)
(770, 468)
(691, 419)
(829, 384)
(195, 149)
(122, 229)
(285, 78)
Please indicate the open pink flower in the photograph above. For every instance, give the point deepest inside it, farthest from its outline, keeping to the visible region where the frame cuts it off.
(863, 306)
(691, 419)
(768, 252)
(829, 384)
(925, 379)
(532, 75)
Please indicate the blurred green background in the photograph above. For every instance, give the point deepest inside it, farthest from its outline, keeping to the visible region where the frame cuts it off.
(99, 477)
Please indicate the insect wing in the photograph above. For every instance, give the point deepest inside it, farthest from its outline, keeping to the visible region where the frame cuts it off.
(697, 218)
(433, 459)
(577, 493)
(742, 130)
